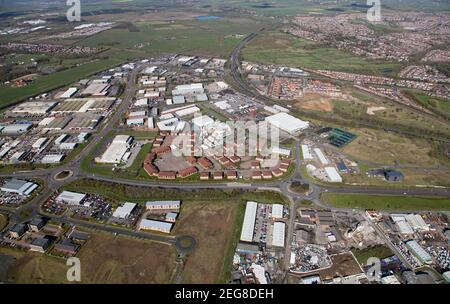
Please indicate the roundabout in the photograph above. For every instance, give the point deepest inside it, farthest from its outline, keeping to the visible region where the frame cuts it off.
(185, 244)
(63, 175)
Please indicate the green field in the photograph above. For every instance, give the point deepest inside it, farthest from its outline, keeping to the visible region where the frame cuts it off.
(284, 49)
(378, 251)
(386, 202)
(42, 84)
(438, 105)
(209, 38)
(3, 221)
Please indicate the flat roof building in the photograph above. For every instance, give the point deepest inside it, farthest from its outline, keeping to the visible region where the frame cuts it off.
(278, 234)
(15, 129)
(52, 158)
(38, 144)
(34, 107)
(287, 123)
(277, 211)
(124, 211)
(306, 153)
(116, 151)
(18, 186)
(333, 175)
(248, 225)
(71, 198)
(163, 205)
(155, 226)
(419, 252)
(323, 160)
(69, 93)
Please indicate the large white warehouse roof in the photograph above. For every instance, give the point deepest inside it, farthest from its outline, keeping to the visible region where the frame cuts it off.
(333, 175)
(287, 122)
(249, 222)
(71, 198)
(277, 211)
(306, 152)
(278, 234)
(124, 211)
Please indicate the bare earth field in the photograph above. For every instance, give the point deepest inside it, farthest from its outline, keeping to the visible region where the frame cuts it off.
(121, 260)
(104, 259)
(213, 225)
(315, 102)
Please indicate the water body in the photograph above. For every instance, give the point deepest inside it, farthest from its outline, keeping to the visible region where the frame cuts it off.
(203, 18)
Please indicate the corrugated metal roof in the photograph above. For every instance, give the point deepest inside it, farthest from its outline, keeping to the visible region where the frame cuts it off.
(248, 225)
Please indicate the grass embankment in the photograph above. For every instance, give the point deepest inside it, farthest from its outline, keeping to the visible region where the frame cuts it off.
(378, 251)
(387, 202)
(3, 221)
(122, 192)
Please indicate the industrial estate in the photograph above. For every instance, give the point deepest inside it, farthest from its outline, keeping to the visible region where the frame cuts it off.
(240, 144)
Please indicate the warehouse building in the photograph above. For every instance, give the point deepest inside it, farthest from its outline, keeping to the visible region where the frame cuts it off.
(188, 89)
(124, 211)
(15, 129)
(333, 175)
(61, 139)
(117, 150)
(69, 93)
(52, 158)
(178, 99)
(155, 226)
(18, 186)
(278, 234)
(187, 111)
(410, 223)
(150, 123)
(401, 224)
(71, 198)
(281, 151)
(306, 153)
(248, 225)
(416, 222)
(96, 89)
(34, 107)
(163, 205)
(135, 121)
(323, 160)
(277, 211)
(40, 143)
(419, 252)
(287, 123)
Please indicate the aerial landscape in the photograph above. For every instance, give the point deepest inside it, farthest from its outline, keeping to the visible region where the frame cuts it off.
(225, 142)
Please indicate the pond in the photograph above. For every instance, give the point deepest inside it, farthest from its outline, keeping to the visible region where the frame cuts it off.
(202, 18)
